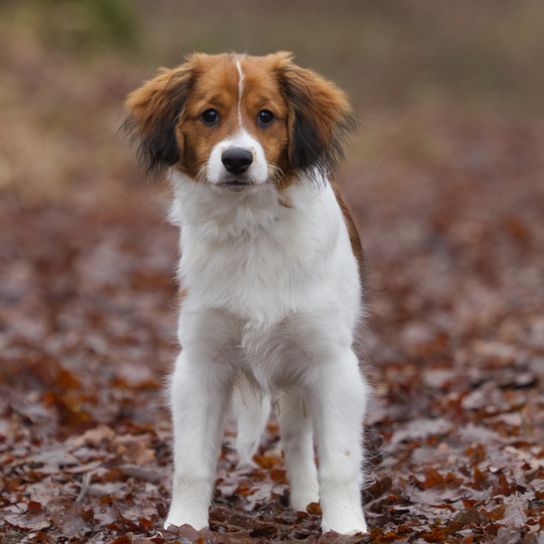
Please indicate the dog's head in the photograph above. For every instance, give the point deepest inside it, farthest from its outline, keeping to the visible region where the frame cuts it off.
(236, 120)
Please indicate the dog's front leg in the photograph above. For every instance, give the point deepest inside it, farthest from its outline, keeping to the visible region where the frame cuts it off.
(199, 397)
(337, 404)
(297, 442)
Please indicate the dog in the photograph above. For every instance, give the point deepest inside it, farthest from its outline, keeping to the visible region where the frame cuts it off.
(271, 271)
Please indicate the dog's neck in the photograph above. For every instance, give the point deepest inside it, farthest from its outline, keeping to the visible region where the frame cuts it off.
(218, 214)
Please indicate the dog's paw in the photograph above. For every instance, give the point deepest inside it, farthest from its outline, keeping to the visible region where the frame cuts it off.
(299, 501)
(348, 526)
(173, 522)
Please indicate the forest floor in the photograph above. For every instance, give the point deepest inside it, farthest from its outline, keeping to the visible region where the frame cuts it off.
(454, 350)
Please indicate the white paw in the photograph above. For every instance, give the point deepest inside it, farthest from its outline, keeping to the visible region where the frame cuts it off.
(345, 526)
(300, 501)
(179, 521)
(302, 492)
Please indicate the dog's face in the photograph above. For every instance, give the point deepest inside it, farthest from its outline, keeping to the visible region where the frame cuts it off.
(235, 121)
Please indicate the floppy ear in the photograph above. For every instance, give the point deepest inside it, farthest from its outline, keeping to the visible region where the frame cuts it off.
(153, 111)
(319, 118)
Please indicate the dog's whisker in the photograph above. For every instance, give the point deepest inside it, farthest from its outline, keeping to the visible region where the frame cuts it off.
(276, 174)
(201, 176)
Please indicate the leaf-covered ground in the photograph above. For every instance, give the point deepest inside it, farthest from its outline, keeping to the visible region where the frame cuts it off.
(454, 350)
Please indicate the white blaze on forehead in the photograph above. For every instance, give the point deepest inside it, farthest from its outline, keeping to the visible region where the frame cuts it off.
(240, 90)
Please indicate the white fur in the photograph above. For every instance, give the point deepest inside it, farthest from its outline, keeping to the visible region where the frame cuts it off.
(240, 90)
(257, 172)
(251, 409)
(273, 295)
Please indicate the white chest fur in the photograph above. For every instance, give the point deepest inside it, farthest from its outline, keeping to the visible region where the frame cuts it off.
(260, 259)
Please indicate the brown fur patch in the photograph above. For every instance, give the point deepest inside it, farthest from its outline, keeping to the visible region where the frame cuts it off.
(152, 114)
(353, 232)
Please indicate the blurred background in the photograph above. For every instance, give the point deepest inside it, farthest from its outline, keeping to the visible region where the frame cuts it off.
(409, 66)
(445, 176)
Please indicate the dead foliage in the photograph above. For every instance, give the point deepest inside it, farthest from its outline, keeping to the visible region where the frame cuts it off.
(454, 350)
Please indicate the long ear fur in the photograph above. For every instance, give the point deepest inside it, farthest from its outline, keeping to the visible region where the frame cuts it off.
(153, 111)
(320, 116)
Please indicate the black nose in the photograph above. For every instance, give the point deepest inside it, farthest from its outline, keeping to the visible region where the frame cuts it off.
(236, 160)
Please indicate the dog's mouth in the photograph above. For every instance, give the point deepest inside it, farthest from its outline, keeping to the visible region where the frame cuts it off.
(236, 182)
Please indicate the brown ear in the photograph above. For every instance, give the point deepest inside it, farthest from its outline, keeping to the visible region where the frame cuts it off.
(153, 111)
(320, 116)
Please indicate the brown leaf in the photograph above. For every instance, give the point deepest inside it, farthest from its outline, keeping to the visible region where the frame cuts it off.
(94, 437)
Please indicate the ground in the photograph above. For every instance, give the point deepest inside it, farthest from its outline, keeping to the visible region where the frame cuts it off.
(454, 349)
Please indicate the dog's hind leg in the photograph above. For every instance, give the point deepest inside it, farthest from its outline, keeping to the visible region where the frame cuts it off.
(251, 407)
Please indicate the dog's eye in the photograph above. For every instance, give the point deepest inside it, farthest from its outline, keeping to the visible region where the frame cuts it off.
(210, 116)
(265, 118)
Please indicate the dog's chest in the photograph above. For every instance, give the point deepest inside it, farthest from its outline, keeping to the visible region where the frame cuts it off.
(259, 275)
(253, 256)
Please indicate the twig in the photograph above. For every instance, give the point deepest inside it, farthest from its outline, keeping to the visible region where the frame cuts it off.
(84, 486)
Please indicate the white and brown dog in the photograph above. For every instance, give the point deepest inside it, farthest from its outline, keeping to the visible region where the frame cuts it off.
(270, 265)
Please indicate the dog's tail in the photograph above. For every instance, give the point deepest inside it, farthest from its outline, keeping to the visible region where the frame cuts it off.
(251, 408)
